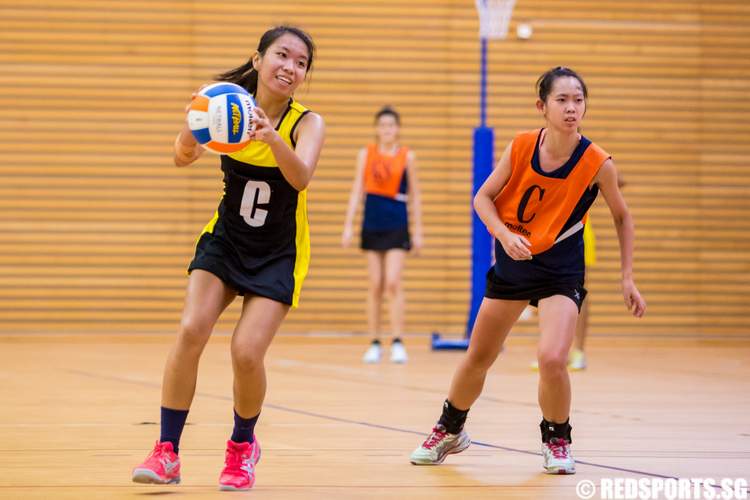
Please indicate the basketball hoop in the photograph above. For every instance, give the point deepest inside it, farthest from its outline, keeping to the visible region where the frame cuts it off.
(494, 18)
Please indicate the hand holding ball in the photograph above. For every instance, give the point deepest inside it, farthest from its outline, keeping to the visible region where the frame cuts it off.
(220, 117)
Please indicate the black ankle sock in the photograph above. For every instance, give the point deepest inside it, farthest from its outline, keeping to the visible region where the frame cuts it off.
(244, 428)
(396, 340)
(375, 342)
(554, 430)
(452, 418)
(172, 423)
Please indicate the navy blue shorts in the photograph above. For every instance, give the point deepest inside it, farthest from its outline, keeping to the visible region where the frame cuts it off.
(271, 277)
(533, 291)
(386, 240)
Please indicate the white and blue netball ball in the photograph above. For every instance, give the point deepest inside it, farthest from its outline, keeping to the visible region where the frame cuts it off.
(220, 117)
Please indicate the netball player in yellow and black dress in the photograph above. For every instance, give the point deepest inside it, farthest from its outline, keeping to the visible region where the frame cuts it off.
(387, 177)
(256, 245)
(535, 203)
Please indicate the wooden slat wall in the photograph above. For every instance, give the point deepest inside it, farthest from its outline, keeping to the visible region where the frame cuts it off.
(99, 226)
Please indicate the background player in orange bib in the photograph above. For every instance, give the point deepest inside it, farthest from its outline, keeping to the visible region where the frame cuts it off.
(257, 245)
(535, 203)
(387, 175)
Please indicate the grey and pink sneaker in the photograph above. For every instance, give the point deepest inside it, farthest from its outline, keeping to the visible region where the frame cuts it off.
(438, 445)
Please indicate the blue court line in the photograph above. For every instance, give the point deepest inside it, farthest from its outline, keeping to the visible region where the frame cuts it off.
(441, 392)
(365, 424)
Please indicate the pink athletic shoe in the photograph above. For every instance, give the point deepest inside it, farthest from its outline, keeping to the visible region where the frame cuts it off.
(162, 466)
(239, 466)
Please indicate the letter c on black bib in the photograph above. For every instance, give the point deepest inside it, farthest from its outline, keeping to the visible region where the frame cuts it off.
(525, 200)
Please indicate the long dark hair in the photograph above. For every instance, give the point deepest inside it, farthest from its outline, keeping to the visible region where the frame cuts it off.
(246, 76)
(545, 82)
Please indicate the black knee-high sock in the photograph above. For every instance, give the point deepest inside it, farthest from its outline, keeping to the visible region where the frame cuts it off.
(172, 423)
(244, 428)
(452, 418)
(554, 430)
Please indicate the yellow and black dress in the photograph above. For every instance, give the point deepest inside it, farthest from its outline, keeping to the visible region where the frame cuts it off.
(258, 242)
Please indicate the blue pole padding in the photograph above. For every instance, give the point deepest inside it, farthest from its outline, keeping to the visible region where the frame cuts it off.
(481, 239)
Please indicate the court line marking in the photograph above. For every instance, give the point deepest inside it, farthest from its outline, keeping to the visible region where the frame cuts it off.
(377, 379)
(360, 422)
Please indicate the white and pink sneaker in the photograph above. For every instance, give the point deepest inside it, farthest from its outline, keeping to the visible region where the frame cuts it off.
(438, 445)
(557, 457)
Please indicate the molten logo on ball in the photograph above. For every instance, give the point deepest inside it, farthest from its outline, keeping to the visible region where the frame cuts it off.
(236, 118)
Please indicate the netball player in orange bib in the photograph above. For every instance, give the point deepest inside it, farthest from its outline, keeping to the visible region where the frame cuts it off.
(535, 204)
(387, 174)
(256, 245)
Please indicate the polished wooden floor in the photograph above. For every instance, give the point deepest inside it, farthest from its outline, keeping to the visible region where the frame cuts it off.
(78, 412)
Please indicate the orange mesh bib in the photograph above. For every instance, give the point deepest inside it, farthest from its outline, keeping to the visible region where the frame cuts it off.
(537, 206)
(383, 173)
